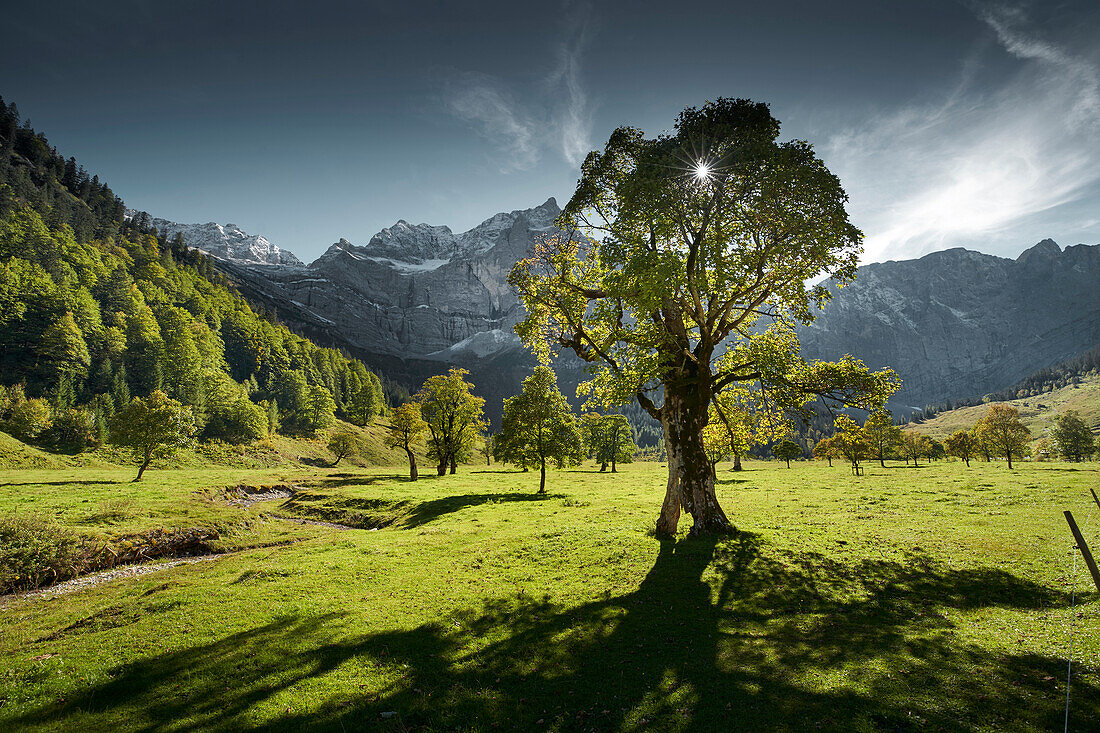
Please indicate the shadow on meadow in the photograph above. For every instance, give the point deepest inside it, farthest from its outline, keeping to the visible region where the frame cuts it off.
(338, 480)
(718, 636)
(73, 482)
(371, 513)
(426, 511)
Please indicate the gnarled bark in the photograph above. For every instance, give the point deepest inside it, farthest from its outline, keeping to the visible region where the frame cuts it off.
(691, 482)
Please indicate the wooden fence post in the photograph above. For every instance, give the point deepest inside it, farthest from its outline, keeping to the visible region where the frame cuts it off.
(1084, 548)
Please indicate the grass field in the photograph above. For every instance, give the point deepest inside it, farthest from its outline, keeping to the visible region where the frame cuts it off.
(936, 598)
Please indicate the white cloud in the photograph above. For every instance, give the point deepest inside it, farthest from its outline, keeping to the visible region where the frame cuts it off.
(484, 102)
(964, 170)
(561, 119)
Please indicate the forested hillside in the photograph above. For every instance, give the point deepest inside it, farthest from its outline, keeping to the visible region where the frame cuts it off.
(96, 309)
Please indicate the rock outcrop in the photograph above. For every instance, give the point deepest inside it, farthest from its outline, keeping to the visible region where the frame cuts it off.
(958, 324)
(413, 290)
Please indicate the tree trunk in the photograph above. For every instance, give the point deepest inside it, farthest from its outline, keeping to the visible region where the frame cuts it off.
(737, 462)
(670, 508)
(454, 465)
(603, 467)
(144, 465)
(967, 462)
(684, 416)
(542, 476)
(442, 467)
(613, 469)
(1008, 455)
(830, 460)
(881, 462)
(413, 474)
(788, 463)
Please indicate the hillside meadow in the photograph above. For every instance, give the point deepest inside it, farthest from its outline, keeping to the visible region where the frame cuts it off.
(1038, 413)
(934, 598)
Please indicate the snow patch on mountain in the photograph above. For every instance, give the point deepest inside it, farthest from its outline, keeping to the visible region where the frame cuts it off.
(481, 345)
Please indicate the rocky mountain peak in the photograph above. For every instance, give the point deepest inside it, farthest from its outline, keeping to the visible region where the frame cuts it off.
(1045, 250)
(226, 242)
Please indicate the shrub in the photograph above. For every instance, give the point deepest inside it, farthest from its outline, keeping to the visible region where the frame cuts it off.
(28, 419)
(35, 551)
(73, 431)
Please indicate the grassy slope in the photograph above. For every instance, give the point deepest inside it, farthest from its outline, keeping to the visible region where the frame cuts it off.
(1038, 413)
(279, 450)
(907, 599)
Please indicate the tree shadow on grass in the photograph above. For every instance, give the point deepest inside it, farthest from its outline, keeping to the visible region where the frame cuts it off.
(426, 511)
(74, 482)
(718, 636)
(338, 480)
(378, 513)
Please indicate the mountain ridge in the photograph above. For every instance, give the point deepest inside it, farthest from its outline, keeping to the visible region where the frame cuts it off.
(954, 322)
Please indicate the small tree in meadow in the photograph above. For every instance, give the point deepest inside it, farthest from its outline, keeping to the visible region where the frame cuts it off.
(609, 439)
(881, 434)
(787, 450)
(454, 415)
(538, 426)
(850, 442)
(1072, 436)
(344, 443)
(827, 448)
(1002, 430)
(405, 428)
(157, 426)
(961, 445)
(914, 445)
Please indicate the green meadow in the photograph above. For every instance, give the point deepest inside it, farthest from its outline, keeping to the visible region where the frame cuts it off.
(934, 598)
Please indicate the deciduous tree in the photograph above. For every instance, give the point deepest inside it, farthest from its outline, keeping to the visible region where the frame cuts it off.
(454, 416)
(344, 443)
(849, 441)
(787, 450)
(914, 445)
(1072, 436)
(609, 439)
(881, 434)
(152, 427)
(674, 248)
(961, 445)
(1002, 430)
(404, 431)
(828, 449)
(537, 426)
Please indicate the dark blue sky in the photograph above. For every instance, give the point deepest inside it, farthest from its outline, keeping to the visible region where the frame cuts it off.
(950, 123)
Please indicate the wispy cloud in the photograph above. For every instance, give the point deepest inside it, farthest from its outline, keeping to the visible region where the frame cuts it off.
(484, 102)
(965, 169)
(561, 121)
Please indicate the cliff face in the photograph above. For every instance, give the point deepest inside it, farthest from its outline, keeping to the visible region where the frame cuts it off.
(413, 291)
(959, 323)
(417, 298)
